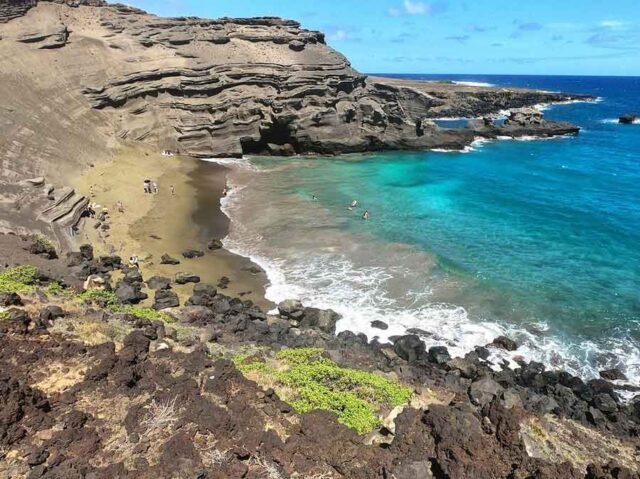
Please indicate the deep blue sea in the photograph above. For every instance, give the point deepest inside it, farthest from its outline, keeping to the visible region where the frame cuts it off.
(539, 240)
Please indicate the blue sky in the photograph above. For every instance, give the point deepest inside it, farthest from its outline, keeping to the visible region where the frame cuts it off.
(564, 37)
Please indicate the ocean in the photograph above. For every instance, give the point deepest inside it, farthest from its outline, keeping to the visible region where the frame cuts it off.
(538, 240)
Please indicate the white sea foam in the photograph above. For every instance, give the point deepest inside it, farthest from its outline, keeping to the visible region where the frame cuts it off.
(359, 294)
(472, 83)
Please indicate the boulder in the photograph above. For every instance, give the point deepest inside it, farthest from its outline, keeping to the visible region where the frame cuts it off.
(166, 259)
(484, 390)
(184, 278)
(613, 375)
(159, 282)
(410, 348)
(628, 119)
(323, 319)
(192, 253)
(110, 262)
(214, 244)
(86, 250)
(203, 295)
(438, 354)
(10, 299)
(130, 293)
(95, 281)
(291, 309)
(165, 299)
(505, 343)
(379, 325)
(50, 313)
(197, 315)
(132, 275)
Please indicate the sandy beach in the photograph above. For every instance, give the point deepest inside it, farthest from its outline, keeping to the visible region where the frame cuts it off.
(151, 225)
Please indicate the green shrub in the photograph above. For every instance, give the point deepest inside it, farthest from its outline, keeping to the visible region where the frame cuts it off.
(310, 381)
(19, 279)
(99, 295)
(144, 313)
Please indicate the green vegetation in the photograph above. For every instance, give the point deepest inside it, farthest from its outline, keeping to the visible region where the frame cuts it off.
(108, 298)
(43, 243)
(19, 279)
(4, 315)
(308, 381)
(144, 313)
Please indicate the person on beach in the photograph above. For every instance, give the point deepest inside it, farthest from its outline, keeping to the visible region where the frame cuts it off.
(155, 187)
(225, 191)
(314, 198)
(173, 190)
(134, 262)
(120, 206)
(365, 216)
(147, 186)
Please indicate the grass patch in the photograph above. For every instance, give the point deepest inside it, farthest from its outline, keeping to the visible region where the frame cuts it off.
(109, 299)
(309, 381)
(19, 279)
(4, 315)
(143, 313)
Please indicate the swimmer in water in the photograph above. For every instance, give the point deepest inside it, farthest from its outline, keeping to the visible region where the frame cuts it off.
(354, 203)
(365, 216)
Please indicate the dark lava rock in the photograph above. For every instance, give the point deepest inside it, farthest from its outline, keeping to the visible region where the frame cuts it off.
(605, 403)
(166, 259)
(130, 293)
(50, 313)
(132, 275)
(505, 343)
(164, 299)
(628, 119)
(484, 390)
(410, 348)
(482, 352)
(297, 45)
(192, 253)
(323, 319)
(159, 282)
(291, 309)
(86, 250)
(42, 248)
(197, 315)
(184, 278)
(610, 374)
(223, 283)
(111, 262)
(203, 295)
(10, 299)
(439, 354)
(379, 325)
(214, 244)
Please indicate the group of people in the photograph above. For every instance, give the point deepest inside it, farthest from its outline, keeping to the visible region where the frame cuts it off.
(150, 186)
(352, 206)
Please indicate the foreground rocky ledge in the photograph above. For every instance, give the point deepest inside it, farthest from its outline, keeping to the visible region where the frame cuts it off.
(91, 390)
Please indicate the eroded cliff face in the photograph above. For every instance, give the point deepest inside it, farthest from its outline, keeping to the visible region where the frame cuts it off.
(81, 78)
(226, 87)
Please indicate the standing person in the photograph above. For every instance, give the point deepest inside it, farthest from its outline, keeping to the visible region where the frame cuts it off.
(155, 187)
(173, 190)
(134, 262)
(365, 216)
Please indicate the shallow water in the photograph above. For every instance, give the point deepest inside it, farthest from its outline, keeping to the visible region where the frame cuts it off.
(539, 240)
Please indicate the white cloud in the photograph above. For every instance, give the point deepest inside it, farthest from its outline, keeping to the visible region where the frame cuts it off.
(612, 24)
(338, 35)
(394, 12)
(416, 8)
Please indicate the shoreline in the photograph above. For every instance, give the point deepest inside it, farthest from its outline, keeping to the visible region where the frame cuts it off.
(155, 224)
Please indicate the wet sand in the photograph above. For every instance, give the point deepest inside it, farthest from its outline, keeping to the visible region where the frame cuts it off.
(154, 224)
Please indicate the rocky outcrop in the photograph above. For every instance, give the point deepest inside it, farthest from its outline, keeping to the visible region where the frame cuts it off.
(229, 87)
(628, 119)
(10, 9)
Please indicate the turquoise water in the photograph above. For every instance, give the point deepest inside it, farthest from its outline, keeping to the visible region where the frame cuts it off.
(536, 239)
